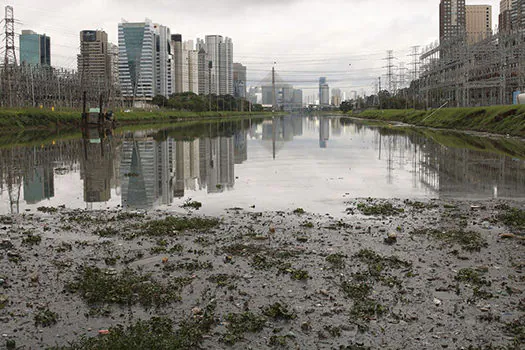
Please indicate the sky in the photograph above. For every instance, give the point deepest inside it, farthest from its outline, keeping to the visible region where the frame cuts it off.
(343, 40)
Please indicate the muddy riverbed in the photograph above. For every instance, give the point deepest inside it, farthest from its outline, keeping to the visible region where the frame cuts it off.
(390, 275)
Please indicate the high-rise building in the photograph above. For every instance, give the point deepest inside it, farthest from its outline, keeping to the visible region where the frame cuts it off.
(95, 58)
(193, 71)
(324, 92)
(336, 97)
(204, 71)
(137, 68)
(297, 99)
(226, 67)
(452, 20)
(505, 8)
(517, 15)
(220, 53)
(163, 61)
(178, 59)
(35, 49)
(113, 52)
(479, 22)
(239, 80)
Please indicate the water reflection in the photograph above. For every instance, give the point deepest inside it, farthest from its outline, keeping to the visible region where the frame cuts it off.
(312, 162)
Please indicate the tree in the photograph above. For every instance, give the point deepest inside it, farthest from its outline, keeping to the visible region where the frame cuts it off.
(160, 101)
(346, 106)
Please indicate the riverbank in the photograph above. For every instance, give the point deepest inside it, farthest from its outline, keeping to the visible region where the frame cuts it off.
(498, 119)
(34, 119)
(392, 274)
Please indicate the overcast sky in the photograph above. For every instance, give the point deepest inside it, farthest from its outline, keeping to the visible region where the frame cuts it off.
(306, 38)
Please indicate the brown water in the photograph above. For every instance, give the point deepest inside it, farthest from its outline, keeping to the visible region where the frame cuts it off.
(316, 163)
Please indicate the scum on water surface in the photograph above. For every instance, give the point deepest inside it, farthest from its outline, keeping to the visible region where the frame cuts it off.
(266, 280)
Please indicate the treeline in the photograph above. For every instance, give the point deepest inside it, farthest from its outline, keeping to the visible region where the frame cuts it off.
(189, 101)
(402, 99)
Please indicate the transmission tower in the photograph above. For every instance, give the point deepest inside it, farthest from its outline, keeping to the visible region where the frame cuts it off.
(390, 70)
(415, 62)
(9, 57)
(9, 26)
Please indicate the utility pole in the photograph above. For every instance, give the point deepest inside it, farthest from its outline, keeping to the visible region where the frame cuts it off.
(274, 100)
(379, 98)
(210, 66)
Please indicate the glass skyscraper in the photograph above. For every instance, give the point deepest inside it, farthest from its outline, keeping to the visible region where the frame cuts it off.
(137, 69)
(35, 49)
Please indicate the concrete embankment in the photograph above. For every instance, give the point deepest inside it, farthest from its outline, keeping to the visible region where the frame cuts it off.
(498, 119)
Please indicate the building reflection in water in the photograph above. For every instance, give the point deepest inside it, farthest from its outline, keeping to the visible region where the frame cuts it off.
(96, 165)
(155, 172)
(151, 168)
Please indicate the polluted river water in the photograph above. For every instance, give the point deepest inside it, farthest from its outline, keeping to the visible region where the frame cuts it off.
(310, 162)
(285, 233)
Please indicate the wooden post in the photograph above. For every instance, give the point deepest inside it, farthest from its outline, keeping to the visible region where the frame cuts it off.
(84, 115)
(100, 113)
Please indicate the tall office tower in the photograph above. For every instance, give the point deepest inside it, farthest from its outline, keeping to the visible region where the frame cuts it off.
(452, 20)
(163, 61)
(517, 16)
(336, 97)
(239, 80)
(95, 58)
(220, 52)
(178, 62)
(212, 49)
(505, 8)
(193, 71)
(297, 99)
(324, 92)
(204, 72)
(113, 52)
(35, 49)
(226, 67)
(479, 22)
(137, 70)
(187, 46)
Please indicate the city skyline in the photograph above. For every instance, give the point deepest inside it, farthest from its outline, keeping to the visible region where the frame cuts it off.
(332, 45)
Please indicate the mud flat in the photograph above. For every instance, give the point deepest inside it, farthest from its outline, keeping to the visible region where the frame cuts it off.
(391, 275)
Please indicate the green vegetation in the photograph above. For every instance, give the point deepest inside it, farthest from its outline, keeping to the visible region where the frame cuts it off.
(157, 333)
(299, 211)
(337, 260)
(468, 240)
(471, 276)
(385, 209)
(46, 318)
(497, 119)
(278, 311)
(513, 217)
(189, 204)
(516, 329)
(238, 324)
(31, 239)
(34, 118)
(171, 225)
(49, 210)
(378, 263)
(126, 288)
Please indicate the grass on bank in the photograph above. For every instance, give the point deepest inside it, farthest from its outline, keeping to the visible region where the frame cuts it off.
(35, 118)
(496, 119)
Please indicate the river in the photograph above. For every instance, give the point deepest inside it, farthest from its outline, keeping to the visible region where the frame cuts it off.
(312, 162)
